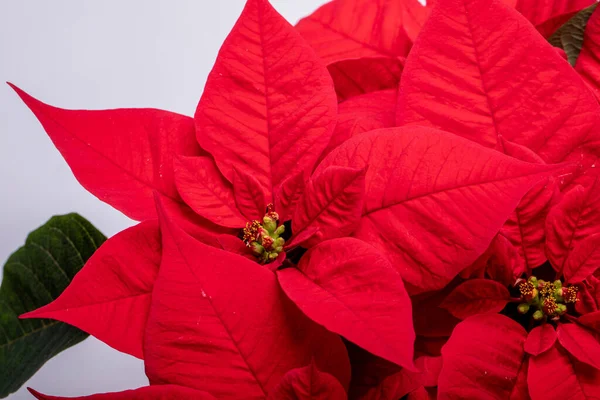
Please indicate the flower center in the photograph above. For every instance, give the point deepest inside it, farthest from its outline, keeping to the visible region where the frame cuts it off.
(264, 237)
(545, 299)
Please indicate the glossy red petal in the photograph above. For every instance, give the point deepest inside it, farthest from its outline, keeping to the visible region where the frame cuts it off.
(358, 76)
(483, 83)
(346, 286)
(549, 15)
(344, 29)
(120, 156)
(476, 296)
(591, 321)
(571, 221)
(581, 343)
(361, 114)
(525, 227)
(206, 191)
(157, 392)
(482, 359)
(269, 105)
(556, 375)
(540, 339)
(110, 297)
(588, 62)
(308, 383)
(220, 323)
(249, 196)
(331, 204)
(288, 194)
(584, 260)
(432, 203)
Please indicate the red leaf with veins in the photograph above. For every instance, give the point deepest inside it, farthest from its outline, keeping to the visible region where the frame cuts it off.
(584, 260)
(588, 62)
(361, 114)
(540, 339)
(476, 296)
(224, 321)
(482, 358)
(110, 297)
(432, 201)
(556, 375)
(288, 194)
(269, 106)
(348, 287)
(308, 383)
(581, 343)
(155, 392)
(571, 221)
(474, 87)
(525, 227)
(206, 191)
(120, 156)
(520, 390)
(591, 321)
(358, 76)
(249, 195)
(549, 15)
(331, 204)
(345, 29)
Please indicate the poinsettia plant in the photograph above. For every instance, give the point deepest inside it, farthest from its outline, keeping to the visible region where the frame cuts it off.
(387, 200)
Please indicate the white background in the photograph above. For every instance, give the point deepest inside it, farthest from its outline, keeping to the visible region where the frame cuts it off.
(95, 54)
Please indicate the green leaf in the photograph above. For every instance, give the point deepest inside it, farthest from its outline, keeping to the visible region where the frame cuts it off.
(35, 275)
(569, 37)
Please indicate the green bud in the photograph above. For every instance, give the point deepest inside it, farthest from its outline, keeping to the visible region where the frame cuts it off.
(257, 248)
(523, 308)
(561, 309)
(269, 224)
(273, 255)
(279, 231)
(279, 242)
(533, 280)
(558, 284)
(538, 315)
(541, 283)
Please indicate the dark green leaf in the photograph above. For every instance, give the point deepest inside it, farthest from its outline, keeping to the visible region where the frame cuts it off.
(35, 275)
(569, 37)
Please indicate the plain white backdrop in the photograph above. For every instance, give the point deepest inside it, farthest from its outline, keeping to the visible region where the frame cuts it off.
(95, 54)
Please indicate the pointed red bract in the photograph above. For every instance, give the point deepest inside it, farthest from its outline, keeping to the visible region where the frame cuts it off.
(268, 108)
(482, 358)
(482, 83)
(224, 320)
(556, 375)
(549, 15)
(525, 227)
(157, 392)
(361, 114)
(432, 201)
(540, 339)
(575, 218)
(345, 285)
(331, 205)
(581, 343)
(365, 75)
(521, 391)
(206, 191)
(110, 297)
(591, 321)
(288, 194)
(308, 383)
(249, 196)
(476, 296)
(588, 62)
(120, 156)
(584, 260)
(345, 29)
